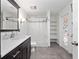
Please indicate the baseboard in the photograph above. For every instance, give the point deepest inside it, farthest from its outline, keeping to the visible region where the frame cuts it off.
(65, 49)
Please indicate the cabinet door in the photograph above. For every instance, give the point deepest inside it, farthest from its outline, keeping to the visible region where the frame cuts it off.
(17, 55)
(24, 53)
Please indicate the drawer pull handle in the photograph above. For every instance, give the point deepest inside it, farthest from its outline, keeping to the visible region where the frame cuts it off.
(16, 54)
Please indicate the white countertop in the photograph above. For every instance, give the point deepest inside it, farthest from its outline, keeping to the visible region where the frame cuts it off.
(9, 44)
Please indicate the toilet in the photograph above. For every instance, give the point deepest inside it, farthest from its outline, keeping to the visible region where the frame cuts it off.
(33, 46)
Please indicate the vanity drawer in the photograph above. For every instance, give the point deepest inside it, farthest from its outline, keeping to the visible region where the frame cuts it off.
(12, 54)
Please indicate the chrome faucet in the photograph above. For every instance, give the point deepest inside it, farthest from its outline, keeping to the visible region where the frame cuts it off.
(12, 35)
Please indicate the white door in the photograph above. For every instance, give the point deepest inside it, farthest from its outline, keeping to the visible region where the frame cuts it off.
(75, 29)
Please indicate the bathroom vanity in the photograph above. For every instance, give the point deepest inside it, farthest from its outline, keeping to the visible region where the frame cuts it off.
(16, 48)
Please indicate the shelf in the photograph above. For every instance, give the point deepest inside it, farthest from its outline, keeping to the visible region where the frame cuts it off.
(53, 25)
(53, 33)
(53, 22)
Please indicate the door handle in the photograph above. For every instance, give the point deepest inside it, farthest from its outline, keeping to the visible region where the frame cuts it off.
(16, 54)
(74, 43)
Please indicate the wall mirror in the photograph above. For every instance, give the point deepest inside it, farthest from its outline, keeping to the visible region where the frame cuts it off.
(9, 16)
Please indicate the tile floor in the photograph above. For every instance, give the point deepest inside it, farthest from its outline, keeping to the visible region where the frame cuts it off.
(53, 52)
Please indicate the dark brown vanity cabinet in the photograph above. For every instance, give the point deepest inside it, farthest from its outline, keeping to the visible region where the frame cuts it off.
(23, 51)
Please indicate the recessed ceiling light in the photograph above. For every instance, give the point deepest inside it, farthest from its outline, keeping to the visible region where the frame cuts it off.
(33, 7)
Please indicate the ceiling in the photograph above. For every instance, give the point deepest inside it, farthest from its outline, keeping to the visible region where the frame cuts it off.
(42, 6)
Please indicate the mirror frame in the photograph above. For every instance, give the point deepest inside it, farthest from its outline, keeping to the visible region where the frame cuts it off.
(17, 7)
